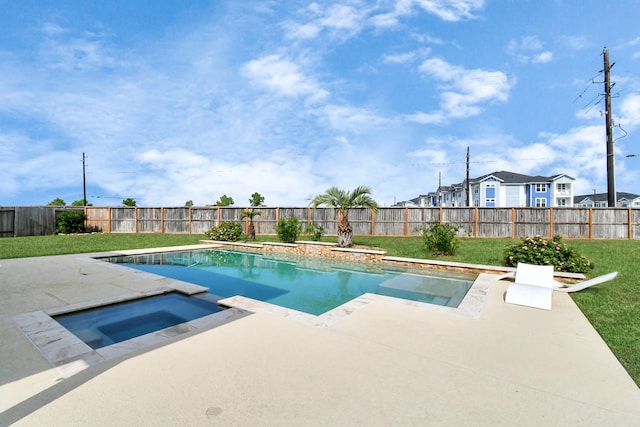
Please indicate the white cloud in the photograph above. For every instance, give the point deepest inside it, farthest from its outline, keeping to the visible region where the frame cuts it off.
(529, 50)
(463, 90)
(542, 58)
(433, 156)
(401, 58)
(451, 10)
(282, 76)
(70, 50)
(171, 177)
(630, 109)
(339, 20)
(344, 117)
(407, 57)
(575, 42)
(347, 20)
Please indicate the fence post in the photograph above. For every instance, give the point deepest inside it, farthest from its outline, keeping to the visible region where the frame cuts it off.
(513, 223)
(373, 222)
(476, 226)
(163, 212)
(190, 220)
(629, 225)
(135, 219)
(550, 222)
(406, 221)
(590, 223)
(441, 215)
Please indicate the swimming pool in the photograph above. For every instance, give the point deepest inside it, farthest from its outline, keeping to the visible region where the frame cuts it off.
(105, 325)
(309, 284)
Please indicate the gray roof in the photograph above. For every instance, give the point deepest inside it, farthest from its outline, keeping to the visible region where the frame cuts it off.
(604, 197)
(517, 178)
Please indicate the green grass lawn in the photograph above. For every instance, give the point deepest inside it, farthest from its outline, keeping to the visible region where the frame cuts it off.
(613, 308)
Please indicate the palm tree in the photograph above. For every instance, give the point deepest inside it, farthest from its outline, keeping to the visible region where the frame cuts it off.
(343, 201)
(250, 213)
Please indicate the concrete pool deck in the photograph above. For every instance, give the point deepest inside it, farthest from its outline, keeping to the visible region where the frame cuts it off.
(382, 364)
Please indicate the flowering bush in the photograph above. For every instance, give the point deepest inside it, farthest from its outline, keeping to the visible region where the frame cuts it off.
(539, 251)
(225, 232)
(440, 239)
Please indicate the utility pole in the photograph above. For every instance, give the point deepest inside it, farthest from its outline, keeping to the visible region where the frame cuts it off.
(439, 189)
(468, 189)
(84, 180)
(611, 184)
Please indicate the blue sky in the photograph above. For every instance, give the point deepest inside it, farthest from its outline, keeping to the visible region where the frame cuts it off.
(174, 101)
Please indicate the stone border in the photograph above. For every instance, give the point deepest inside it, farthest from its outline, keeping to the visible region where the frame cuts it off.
(331, 250)
(69, 354)
(307, 248)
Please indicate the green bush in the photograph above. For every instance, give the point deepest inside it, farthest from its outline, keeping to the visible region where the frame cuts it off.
(440, 239)
(288, 229)
(225, 232)
(71, 222)
(316, 231)
(539, 251)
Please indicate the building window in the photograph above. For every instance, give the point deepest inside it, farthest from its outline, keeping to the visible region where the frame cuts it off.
(476, 203)
(562, 202)
(562, 187)
(491, 185)
(541, 203)
(476, 189)
(541, 188)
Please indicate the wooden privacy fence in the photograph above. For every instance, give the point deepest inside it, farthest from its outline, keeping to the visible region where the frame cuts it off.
(576, 223)
(17, 221)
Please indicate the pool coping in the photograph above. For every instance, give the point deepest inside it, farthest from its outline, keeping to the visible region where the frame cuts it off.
(382, 365)
(70, 355)
(65, 351)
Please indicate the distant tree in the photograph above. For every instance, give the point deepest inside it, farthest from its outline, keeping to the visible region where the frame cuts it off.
(225, 201)
(189, 203)
(80, 203)
(250, 213)
(344, 201)
(129, 202)
(256, 199)
(57, 202)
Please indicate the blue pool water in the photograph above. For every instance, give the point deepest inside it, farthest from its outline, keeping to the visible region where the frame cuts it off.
(308, 284)
(106, 325)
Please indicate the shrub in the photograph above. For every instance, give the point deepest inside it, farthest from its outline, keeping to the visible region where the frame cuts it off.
(440, 239)
(225, 232)
(539, 251)
(71, 222)
(316, 231)
(288, 229)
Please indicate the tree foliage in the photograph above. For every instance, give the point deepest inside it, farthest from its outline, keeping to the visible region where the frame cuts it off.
(288, 229)
(57, 202)
(343, 200)
(71, 222)
(129, 202)
(256, 200)
(251, 229)
(440, 239)
(225, 201)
